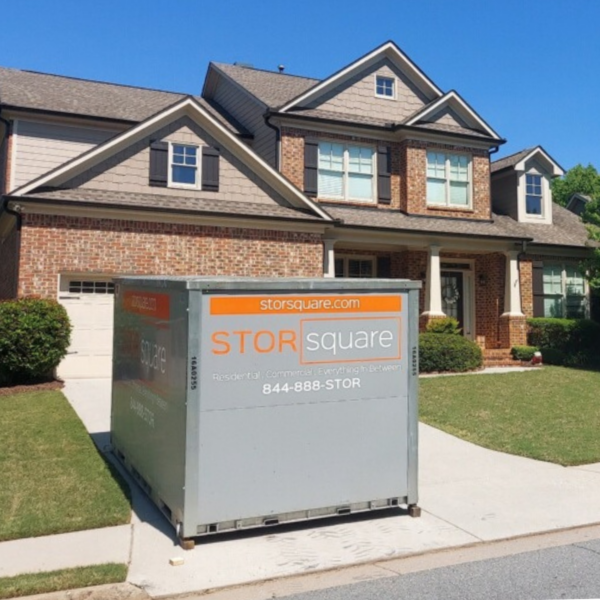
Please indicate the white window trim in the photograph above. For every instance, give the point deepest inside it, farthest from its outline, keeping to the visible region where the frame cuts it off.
(365, 257)
(447, 204)
(345, 197)
(187, 186)
(394, 86)
(524, 216)
(563, 294)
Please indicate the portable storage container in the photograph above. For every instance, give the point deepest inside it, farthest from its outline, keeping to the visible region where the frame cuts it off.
(246, 402)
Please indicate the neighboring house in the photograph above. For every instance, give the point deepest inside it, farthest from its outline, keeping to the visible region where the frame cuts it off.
(373, 171)
(577, 203)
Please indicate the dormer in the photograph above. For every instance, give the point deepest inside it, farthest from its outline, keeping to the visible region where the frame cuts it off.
(521, 185)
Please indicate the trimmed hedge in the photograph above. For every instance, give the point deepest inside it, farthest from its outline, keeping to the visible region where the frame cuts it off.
(439, 352)
(34, 337)
(443, 325)
(569, 342)
(524, 353)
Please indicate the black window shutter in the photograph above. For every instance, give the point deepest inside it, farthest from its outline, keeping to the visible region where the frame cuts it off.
(384, 267)
(159, 164)
(384, 171)
(210, 168)
(537, 283)
(311, 166)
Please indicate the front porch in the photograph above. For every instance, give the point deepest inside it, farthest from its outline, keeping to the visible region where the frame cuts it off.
(479, 288)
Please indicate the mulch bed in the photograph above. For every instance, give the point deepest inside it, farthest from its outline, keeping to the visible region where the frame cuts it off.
(55, 384)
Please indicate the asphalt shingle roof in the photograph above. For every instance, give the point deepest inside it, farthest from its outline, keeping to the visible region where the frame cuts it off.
(82, 97)
(273, 88)
(567, 229)
(172, 203)
(509, 161)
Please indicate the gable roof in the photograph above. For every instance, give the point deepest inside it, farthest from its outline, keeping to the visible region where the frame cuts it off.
(271, 88)
(453, 100)
(191, 108)
(33, 91)
(518, 159)
(388, 49)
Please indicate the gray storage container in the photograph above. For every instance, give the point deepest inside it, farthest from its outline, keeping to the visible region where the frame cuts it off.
(246, 402)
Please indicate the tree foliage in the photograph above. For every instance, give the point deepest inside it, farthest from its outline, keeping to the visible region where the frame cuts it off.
(579, 179)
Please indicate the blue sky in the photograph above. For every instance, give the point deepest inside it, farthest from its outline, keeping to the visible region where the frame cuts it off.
(531, 68)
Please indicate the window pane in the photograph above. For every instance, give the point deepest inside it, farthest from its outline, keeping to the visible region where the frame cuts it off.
(339, 267)
(552, 279)
(385, 86)
(360, 268)
(459, 168)
(436, 191)
(360, 186)
(553, 307)
(331, 184)
(360, 159)
(575, 282)
(459, 193)
(181, 174)
(436, 165)
(533, 205)
(331, 156)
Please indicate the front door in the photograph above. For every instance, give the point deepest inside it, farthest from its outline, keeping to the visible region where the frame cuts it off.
(453, 303)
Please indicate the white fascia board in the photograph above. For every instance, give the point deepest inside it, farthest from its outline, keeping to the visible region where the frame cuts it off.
(556, 169)
(457, 103)
(190, 107)
(388, 49)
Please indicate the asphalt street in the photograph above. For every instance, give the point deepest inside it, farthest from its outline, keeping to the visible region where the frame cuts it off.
(571, 571)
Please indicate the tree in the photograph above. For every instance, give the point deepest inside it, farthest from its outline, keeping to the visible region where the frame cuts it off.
(579, 179)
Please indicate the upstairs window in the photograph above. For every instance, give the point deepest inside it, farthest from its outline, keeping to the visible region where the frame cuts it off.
(346, 172)
(533, 194)
(183, 169)
(564, 292)
(384, 87)
(448, 181)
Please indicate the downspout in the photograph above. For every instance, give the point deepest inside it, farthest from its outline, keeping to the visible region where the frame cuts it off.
(277, 131)
(7, 131)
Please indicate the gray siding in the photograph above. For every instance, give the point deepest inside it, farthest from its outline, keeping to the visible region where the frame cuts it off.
(357, 95)
(250, 114)
(40, 147)
(504, 195)
(447, 116)
(128, 170)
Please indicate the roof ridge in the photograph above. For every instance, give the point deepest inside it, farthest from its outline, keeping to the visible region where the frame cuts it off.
(86, 80)
(267, 71)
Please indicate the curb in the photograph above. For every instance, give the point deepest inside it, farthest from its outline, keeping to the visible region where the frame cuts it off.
(111, 591)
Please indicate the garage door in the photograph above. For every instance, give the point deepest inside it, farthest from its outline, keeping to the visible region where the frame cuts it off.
(89, 303)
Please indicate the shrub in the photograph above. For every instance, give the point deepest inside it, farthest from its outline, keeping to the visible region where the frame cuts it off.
(569, 342)
(448, 353)
(443, 325)
(34, 337)
(524, 353)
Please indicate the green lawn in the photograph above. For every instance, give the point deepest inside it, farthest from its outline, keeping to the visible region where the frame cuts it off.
(550, 414)
(53, 478)
(66, 579)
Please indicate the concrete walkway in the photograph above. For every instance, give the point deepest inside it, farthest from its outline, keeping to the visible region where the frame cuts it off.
(468, 495)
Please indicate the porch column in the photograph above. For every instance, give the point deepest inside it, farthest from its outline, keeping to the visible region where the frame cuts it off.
(433, 285)
(328, 258)
(512, 289)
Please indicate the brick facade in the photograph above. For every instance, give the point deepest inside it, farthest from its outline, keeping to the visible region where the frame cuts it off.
(408, 175)
(52, 245)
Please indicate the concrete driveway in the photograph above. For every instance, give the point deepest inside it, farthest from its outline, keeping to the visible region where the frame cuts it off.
(468, 495)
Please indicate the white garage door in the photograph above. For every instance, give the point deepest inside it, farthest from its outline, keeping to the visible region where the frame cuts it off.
(89, 303)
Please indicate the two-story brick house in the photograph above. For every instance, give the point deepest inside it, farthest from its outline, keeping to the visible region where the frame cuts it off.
(373, 171)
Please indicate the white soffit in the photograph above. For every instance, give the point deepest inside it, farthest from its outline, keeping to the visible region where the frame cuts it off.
(389, 50)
